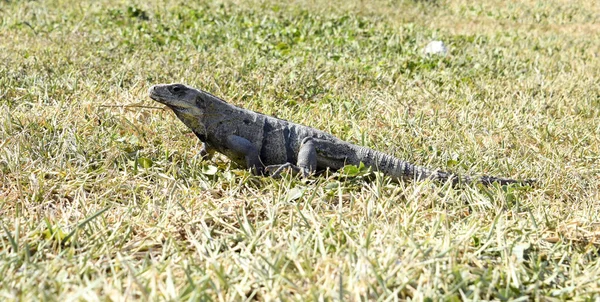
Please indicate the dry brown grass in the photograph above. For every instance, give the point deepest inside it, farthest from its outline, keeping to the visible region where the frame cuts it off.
(99, 202)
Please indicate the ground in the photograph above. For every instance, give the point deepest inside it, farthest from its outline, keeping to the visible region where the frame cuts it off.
(103, 195)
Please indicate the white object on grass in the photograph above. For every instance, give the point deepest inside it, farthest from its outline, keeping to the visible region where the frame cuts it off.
(436, 48)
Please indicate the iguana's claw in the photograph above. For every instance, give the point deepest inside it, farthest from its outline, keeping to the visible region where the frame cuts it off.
(275, 170)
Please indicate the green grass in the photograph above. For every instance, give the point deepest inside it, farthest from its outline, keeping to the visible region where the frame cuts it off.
(102, 198)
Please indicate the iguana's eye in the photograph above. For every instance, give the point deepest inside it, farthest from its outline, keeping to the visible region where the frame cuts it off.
(176, 88)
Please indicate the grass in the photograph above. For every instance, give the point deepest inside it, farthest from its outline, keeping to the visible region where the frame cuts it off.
(104, 199)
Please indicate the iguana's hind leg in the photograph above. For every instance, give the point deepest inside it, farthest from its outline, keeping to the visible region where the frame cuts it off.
(246, 149)
(307, 160)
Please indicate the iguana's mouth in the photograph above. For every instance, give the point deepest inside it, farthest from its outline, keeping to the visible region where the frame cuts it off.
(157, 97)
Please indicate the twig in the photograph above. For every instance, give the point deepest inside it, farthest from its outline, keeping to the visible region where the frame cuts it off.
(29, 25)
(131, 106)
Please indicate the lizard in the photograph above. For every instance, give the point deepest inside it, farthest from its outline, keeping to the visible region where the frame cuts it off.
(268, 145)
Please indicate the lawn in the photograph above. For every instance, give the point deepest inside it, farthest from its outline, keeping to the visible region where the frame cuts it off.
(103, 195)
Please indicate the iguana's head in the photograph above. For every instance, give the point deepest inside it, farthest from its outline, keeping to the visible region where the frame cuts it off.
(179, 97)
(186, 102)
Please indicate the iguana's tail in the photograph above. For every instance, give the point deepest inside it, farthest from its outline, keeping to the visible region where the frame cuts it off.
(400, 169)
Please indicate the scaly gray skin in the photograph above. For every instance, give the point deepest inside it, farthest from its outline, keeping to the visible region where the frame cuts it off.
(268, 144)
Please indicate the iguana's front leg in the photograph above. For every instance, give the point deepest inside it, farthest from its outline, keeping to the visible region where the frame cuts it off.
(206, 151)
(246, 149)
(307, 160)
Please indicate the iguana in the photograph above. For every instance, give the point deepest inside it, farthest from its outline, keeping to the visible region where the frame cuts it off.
(267, 144)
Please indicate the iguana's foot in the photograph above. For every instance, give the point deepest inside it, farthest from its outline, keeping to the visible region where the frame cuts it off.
(275, 170)
(202, 155)
(205, 153)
